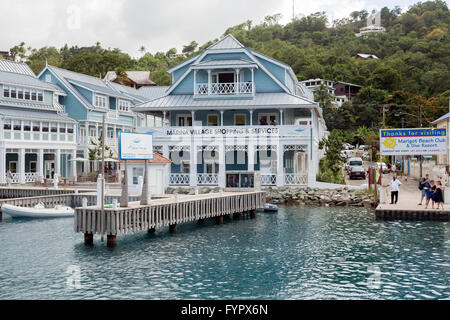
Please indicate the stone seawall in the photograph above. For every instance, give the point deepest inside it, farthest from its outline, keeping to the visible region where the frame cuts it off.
(321, 197)
(302, 196)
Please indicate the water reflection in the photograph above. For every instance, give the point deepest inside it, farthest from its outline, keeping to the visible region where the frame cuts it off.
(299, 253)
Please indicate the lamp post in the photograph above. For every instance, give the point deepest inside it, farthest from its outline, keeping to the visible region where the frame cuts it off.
(419, 121)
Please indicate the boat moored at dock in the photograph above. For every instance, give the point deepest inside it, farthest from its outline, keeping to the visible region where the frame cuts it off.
(39, 211)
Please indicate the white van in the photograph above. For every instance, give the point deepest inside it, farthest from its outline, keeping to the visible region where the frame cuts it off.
(352, 162)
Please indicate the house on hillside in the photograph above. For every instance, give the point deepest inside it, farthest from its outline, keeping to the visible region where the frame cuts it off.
(5, 55)
(340, 91)
(344, 91)
(135, 79)
(235, 118)
(37, 137)
(365, 56)
(314, 84)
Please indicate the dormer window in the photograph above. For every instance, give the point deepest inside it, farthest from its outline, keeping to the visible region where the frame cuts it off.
(124, 105)
(100, 101)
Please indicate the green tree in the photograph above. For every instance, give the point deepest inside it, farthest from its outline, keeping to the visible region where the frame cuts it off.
(330, 166)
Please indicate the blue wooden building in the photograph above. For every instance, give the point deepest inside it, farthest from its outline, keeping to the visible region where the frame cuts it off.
(234, 117)
(87, 100)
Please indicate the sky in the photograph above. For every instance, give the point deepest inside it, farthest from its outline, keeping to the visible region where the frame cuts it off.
(158, 25)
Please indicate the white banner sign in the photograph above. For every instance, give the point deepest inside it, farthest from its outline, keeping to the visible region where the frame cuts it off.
(234, 131)
(413, 141)
(136, 146)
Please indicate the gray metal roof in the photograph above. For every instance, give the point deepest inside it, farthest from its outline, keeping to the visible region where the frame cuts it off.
(106, 90)
(28, 81)
(228, 42)
(224, 63)
(261, 100)
(151, 93)
(126, 90)
(307, 93)
(16, 67)
(30, 105)
(96, 84)
(34, 114)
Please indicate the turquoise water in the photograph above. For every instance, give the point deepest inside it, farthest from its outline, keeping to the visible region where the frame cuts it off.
(299, 253)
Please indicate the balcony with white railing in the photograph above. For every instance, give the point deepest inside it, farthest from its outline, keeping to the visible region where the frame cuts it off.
(268, 179)
(207, 179)
(220, 89)
(179, 179)
(294, 179)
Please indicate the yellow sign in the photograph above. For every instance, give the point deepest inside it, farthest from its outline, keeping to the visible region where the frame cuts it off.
(390, 143)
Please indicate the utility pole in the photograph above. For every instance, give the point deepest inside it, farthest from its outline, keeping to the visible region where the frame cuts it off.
(103, 175)
(420, 125)
(448, 147)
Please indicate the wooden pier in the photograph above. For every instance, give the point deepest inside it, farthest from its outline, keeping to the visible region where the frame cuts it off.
(169, 211)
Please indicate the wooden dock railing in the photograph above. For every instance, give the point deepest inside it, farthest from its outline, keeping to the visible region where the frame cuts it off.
(165, 212)
(72, 200)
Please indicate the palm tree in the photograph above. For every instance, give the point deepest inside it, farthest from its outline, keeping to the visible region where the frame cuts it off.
(361, 135)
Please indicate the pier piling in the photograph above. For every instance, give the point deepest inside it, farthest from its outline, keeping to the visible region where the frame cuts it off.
(173, 228)
(111, 240)
(219, 220)
(88, 238)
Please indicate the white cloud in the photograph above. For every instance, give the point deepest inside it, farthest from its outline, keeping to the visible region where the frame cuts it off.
(157, 24)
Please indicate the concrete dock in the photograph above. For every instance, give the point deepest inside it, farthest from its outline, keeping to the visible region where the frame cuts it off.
(407, 207)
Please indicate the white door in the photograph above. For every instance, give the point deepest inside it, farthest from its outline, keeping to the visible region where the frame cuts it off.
(156, 181)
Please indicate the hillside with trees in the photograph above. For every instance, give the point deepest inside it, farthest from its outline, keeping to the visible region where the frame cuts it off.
(411, 74)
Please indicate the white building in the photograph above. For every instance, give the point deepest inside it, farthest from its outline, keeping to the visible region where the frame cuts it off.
(159, 172)
(37, 138)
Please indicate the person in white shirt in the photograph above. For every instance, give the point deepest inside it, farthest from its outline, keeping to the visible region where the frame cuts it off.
(394, 184)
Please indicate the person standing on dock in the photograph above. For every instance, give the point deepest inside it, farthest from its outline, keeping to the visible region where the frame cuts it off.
(438, 198)
(424, 185)
(394, 184)
(430, 195)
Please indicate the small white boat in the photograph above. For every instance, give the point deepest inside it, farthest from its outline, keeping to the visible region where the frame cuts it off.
(38, 211)
(269, 207)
